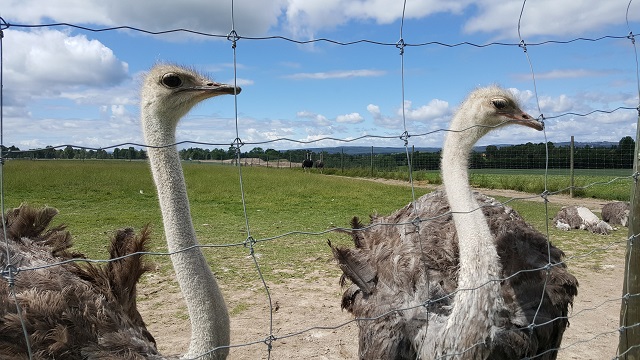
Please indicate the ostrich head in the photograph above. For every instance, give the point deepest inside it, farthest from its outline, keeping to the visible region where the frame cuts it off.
(169, 92)
(488, 108)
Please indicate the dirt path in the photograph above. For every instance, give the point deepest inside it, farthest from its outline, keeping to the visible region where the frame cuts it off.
(300, 305)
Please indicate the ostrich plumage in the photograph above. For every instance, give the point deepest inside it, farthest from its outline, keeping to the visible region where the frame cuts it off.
(616, 213)
(472, 275)
(75, 310)
(307, 163)
(82, 311)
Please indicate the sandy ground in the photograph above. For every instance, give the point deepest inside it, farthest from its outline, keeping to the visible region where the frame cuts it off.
(309, 324)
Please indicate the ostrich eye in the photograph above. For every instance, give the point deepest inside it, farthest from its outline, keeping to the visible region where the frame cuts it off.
(499, 103)
(171, 80)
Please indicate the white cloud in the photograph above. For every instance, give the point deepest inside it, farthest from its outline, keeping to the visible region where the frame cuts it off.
(381, 120)
(49, 61)
(338, 74)
(251, 17)
(318, 119)
(564, 74)
(306, 17)
(546, 17)
(240, 82)
(559, 104)
(353, 118)
(433, 110)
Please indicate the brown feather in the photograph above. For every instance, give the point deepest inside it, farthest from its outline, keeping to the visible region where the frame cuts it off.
(65, 307)
(415, 266)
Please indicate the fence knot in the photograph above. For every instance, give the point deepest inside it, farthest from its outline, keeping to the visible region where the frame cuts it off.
(3, 25)
(233, 37)
(9, 273)
(541, 119)
(405, 137)
(237, 143)
(523, 45)
(631, 37)
(269, 341)
(249, 242)
(545, 196)
(416, 222)
(530, 327)
(401, 45)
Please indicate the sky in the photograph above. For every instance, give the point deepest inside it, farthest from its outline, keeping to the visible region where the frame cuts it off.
(63, 85)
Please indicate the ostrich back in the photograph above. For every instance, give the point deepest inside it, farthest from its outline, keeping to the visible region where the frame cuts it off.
(414, 267)
(75, 310)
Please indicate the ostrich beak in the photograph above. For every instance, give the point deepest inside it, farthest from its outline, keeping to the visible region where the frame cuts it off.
(218, 89)
(525, 119)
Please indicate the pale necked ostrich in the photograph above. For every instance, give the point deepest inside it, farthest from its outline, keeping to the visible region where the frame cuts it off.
(465, 273)
(307, 163)
(320, 163)
(82, 311)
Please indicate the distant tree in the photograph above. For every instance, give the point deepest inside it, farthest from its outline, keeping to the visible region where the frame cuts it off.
(69, 153)
(626, 147)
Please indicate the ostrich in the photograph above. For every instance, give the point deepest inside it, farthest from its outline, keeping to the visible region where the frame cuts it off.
(616, 213)
(307, 163)
(320, 164)
(470, 278)
(88, 312)
(580, 217)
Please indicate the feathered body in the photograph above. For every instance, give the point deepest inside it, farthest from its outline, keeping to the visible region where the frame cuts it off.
(616, 213)
(75, 310)
(416, 267)
(307, 163)
(459, 272)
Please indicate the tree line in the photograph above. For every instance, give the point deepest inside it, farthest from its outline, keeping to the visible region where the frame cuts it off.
(523, 156)
(69, 152)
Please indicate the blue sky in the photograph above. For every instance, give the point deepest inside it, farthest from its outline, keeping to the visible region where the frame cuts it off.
(68, 86)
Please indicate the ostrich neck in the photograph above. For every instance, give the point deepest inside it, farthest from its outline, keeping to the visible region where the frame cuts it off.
(207, 310)
(472, 313)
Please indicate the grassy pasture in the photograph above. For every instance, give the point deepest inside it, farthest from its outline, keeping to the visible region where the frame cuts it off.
(608, 184)
(96, 197)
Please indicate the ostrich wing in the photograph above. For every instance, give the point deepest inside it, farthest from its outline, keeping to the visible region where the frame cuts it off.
(71, 311)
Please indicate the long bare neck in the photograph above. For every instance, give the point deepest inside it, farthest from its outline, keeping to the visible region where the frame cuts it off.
(207, 310)
(472, 314)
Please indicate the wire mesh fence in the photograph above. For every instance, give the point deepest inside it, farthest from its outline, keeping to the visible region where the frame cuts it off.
(269, 331)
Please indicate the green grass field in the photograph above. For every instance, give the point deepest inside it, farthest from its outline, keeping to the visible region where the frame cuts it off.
(96, 197)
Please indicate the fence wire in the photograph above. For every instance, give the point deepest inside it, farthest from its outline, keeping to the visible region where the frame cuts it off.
(272, 338)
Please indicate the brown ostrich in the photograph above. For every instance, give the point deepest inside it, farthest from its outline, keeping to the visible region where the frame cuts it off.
(580, 217)
(81, 311)
(616, 213)
(320, 163)
(470, 273)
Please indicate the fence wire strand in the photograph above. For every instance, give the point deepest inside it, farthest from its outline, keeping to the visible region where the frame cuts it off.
(10, 271)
